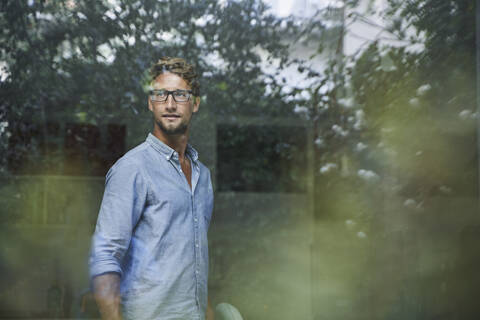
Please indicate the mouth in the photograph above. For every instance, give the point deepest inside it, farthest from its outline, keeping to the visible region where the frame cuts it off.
(171, 116)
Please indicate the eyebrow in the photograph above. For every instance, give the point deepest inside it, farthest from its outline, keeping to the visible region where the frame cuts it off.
(187, 90)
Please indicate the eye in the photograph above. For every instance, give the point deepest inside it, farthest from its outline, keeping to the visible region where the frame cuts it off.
(160, 93)
(181, 93)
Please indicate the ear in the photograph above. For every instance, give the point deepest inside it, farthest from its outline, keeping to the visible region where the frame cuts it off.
(150, 107)
(196, 104)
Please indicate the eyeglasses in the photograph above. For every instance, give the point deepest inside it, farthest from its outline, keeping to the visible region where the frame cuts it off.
(178, 95)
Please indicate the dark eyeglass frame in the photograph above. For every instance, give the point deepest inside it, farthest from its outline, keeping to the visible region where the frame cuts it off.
(168, 92)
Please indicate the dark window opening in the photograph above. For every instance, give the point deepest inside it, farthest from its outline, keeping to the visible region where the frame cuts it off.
(116, 136)
(82, 150)
(70, 149)
(24, 152)
(261, 158)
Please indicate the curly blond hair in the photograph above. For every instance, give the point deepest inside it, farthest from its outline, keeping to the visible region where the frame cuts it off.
(180, 67)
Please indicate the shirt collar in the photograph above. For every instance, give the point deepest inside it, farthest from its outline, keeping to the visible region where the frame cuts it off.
(168, 152)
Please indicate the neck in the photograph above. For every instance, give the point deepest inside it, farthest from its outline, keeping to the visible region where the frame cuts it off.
(177, 142)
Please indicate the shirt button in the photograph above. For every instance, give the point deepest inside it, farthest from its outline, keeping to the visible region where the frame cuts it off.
(196, 271)
(196, 245)
(195, 219)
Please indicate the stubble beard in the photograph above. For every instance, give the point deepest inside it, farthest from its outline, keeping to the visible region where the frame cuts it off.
(181, 128)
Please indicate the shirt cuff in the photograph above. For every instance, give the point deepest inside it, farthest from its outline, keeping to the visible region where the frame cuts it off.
(106, 265)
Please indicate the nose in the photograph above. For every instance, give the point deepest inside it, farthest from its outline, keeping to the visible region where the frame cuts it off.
(170, 104)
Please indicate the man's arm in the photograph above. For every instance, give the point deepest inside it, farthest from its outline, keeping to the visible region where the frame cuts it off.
(121, 208)
(106, 290)
(210, 312)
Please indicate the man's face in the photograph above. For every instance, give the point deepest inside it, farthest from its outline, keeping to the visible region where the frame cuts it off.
(172, 118)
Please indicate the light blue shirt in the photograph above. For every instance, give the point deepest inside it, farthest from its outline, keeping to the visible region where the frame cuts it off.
(152, 230)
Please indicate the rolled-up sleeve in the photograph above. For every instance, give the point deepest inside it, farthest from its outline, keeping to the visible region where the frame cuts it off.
(121, 208)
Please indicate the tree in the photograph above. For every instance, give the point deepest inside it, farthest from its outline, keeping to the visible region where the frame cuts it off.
(366, 108)
(84, 61)
(397, 159)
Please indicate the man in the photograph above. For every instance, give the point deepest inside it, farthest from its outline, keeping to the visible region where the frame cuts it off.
(149, 256)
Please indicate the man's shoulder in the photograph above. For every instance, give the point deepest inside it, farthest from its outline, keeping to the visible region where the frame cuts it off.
(202, 166)
(134, 158)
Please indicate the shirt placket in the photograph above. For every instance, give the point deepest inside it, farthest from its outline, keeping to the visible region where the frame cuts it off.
(196, 248)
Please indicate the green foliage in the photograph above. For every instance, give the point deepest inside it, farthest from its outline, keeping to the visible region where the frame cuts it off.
(71, 61)
(421, 104)
(392, 109)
